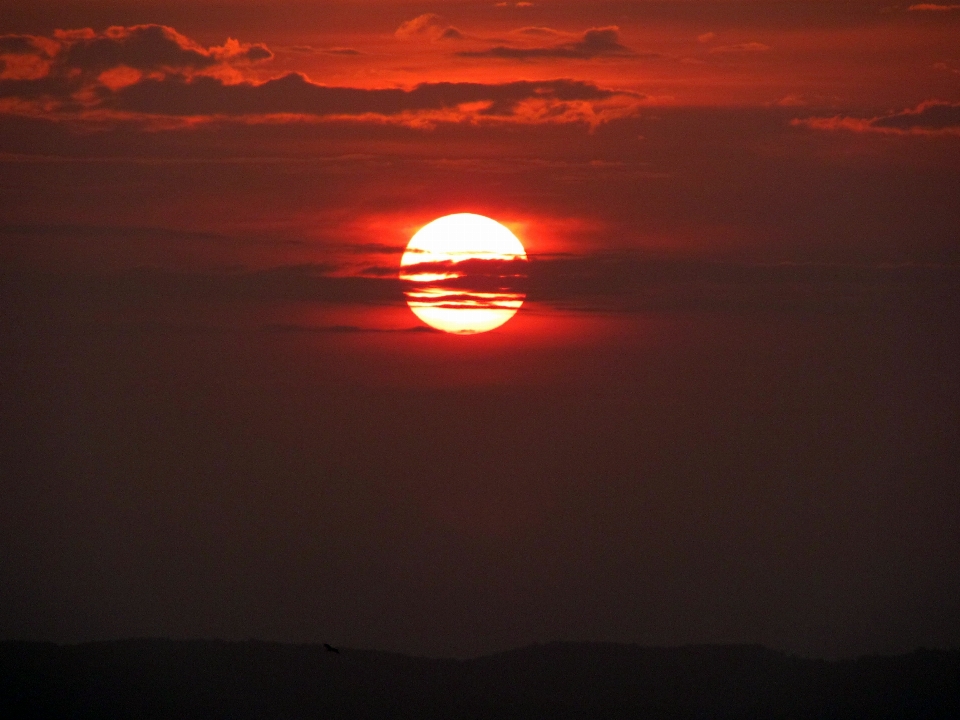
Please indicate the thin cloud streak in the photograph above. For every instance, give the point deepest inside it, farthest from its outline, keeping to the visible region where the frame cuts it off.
(596, 42)
(344, 329)
(933, 117)
(932, 7)
(746, 47)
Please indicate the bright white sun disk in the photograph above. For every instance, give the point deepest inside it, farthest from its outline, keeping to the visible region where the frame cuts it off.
(453, 239)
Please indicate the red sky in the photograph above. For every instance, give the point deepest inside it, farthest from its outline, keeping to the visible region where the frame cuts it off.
(725, 413)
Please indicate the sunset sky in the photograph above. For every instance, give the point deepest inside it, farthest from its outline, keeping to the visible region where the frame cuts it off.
(728, 410)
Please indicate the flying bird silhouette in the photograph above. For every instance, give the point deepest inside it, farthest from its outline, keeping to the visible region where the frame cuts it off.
(331, 648)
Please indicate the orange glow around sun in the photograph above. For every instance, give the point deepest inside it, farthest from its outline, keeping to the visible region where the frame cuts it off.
(463, 272)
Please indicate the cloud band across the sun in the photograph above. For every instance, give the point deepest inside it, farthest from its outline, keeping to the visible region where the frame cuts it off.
(619, 282)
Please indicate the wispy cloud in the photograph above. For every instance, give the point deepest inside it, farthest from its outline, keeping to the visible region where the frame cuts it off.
(596, 42)
(745, 47)
(430, 26)
(344, 329)
(932, 7)
(933, 117)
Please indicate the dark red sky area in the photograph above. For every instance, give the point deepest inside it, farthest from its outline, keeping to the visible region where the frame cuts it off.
(727, 412)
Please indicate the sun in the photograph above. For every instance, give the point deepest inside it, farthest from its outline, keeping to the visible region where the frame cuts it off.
(464, 274)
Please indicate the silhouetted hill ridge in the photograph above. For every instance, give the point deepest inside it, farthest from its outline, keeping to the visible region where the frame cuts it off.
(253, 679)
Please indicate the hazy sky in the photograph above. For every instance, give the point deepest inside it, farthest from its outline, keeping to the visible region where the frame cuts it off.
(727, 412)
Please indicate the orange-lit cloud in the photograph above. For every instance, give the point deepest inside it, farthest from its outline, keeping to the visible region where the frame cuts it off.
(152, 71)
(71, 61)
(26, 57)
(429, 25)
(125, 91)
(119, 77)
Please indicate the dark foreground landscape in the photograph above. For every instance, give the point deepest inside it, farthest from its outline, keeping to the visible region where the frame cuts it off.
(209, 679)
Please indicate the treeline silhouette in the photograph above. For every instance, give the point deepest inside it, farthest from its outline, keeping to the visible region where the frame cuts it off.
(237, 680)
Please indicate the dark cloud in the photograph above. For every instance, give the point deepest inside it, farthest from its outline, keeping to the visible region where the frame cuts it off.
(294, 93)
(474, 266)
(21, 45)
(373, 247)
(149, 48)
(539, 31)
(473, 275)
(469, 300)
(379, 271)
(254, 53)
(34, 89)
(198, 95)
(595, 42)
(72, 60)
(929, 118)
(26, 57)
(154, 70)
(476, 282)
(311, 50)
(144, 47)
